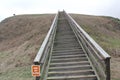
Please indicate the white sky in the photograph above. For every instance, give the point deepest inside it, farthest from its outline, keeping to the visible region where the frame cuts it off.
(92, 7)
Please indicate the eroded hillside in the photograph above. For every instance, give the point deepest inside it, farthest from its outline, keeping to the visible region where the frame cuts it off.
(105, 31)
(21, 37)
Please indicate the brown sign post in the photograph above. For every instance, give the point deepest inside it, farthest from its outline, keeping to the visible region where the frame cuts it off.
(35, 70)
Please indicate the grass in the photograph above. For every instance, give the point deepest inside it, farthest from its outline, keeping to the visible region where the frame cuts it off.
(107, 35)
(20, 39)
(114, 42)
(106, 32)
(19, 73)
(107, 42)
(4, 55)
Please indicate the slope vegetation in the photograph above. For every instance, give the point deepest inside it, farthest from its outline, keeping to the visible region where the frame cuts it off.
(20, 39)
(22, 35)
(106, 32)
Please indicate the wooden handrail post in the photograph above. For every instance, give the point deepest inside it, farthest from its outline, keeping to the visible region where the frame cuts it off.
(107, 62)
(38, 77)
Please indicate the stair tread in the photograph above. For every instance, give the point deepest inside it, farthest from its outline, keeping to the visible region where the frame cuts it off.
(57, 54)
(55, 72)
(59, 42)
(66, 45)
(69, 62)
(65, 59)
(71, 52)
(70, 67)
(73, 77)
(61, 45)
(67, 50)
(68, 54)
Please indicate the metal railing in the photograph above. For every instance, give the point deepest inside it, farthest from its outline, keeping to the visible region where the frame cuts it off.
(42, 56)
(99, 58)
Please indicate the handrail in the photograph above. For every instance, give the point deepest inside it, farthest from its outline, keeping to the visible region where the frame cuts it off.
(103, 53)
(44, 52)
(98, 57)
(41, 50)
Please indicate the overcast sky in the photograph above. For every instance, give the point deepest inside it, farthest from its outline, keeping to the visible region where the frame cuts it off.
(92, 7)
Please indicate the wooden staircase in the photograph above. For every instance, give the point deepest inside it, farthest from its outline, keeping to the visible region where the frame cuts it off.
(68, 61)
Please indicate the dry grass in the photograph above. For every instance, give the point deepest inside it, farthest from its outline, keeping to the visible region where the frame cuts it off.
(106, 31)
(20, 39)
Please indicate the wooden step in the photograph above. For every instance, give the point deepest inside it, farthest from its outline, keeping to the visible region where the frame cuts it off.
(80, 51)
(69, 60)
(69, 56)
(69, 63)
(80, 77)
(68, 44)
(72, 50)
(69, 68)
(72, 53)
(71, 73)
(66, 48)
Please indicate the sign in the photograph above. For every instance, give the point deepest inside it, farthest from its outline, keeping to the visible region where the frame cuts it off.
(35, 70)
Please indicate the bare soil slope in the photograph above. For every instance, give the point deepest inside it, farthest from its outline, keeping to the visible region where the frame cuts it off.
(105, 31)
(21, 37)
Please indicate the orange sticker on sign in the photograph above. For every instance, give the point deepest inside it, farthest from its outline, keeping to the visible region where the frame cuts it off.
(35, 70)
